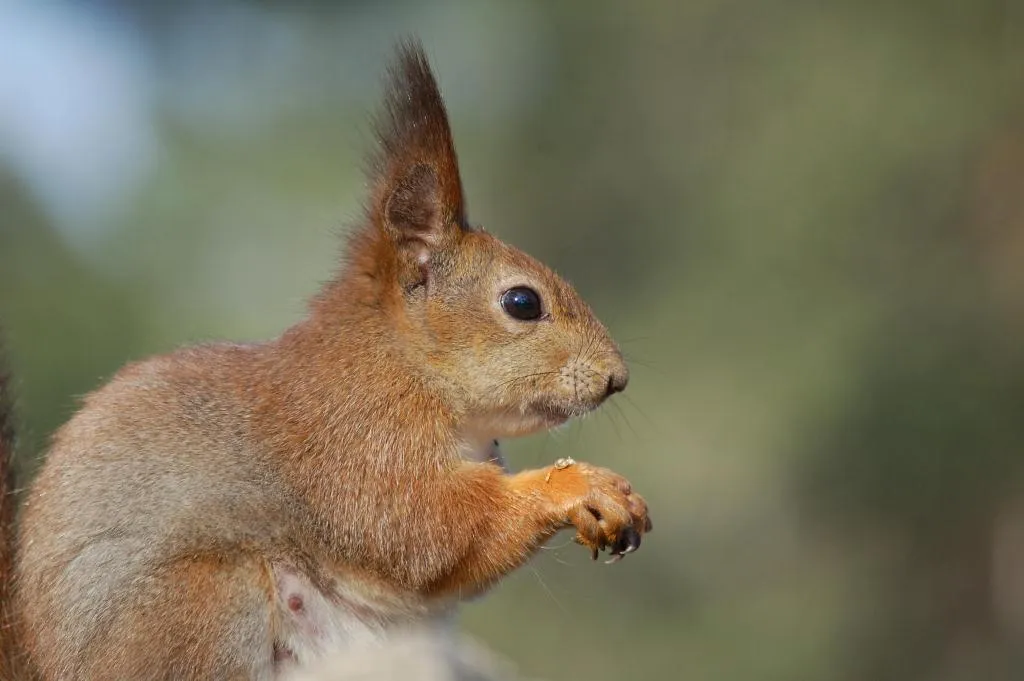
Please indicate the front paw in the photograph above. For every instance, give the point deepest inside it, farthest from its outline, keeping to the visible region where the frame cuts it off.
(608, 514)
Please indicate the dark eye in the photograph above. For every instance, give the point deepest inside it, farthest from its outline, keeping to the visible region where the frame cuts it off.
(522, 303)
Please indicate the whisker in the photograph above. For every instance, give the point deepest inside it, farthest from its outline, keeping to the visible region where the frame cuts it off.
(502, 384)
(550, 592)
(555, 547)
(634, 339)
(654, 426)
(591, 344)
(611, 419)
(573, 432)
(555, 556)
(631, 359)
(625, 418)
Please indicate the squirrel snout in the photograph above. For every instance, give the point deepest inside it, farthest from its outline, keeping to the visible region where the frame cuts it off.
(617, 381)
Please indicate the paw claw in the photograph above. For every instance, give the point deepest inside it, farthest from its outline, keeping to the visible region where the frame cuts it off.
(634, 541)
(627, 542)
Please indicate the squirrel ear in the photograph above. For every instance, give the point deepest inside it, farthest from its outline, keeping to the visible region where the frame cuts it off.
(415, 173)
(412, 209)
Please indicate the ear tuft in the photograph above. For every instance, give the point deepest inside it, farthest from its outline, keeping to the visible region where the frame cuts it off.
(415, 174)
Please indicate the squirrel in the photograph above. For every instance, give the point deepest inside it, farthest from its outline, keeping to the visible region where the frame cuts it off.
(232, 511)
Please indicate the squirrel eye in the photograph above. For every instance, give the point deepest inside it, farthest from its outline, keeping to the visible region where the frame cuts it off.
(522, 303)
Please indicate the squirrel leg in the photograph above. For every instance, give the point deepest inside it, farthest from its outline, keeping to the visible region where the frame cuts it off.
(197, 618)
(529, 507)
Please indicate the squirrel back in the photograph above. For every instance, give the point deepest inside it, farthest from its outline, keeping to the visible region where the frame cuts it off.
(278, 500)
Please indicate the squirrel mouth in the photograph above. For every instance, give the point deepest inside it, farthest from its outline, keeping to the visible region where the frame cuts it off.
(558, 413)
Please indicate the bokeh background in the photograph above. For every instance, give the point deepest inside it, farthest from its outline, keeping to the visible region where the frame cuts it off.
(804, 221)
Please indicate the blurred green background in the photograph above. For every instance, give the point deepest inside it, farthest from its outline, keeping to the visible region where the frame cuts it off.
(804, 222)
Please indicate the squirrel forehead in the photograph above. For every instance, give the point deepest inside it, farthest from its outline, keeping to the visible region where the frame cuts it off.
(483, 259)
(484, 256)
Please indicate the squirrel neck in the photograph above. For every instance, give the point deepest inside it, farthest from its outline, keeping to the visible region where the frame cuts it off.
(339, 386)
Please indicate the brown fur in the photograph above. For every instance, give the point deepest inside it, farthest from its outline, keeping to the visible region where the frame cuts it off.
(8, 651)
(185, 501)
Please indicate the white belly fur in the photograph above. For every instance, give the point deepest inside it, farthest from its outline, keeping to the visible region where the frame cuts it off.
(315, 624)
(483, 449)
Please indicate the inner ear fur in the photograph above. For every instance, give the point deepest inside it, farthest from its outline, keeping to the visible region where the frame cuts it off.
(413, 209)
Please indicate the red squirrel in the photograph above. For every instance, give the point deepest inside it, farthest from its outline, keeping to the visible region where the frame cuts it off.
(236, 511)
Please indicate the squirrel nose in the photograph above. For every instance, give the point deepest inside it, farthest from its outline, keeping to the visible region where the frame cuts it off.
(616, 383)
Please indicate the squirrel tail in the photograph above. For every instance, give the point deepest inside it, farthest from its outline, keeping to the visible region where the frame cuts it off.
(7, 539)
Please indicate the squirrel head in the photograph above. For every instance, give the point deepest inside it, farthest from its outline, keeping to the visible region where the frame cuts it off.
(489, 329)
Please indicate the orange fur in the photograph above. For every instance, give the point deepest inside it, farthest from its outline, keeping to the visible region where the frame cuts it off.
(226, 511)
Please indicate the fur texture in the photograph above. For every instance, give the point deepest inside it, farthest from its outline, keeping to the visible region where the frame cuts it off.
(8, 650)
(236, 511)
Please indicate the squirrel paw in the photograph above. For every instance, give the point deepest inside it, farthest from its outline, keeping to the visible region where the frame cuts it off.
(610, 515)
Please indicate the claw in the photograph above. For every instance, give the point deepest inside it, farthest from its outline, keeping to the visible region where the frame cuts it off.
(582, 541)
(616, 557)
(628, 542)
